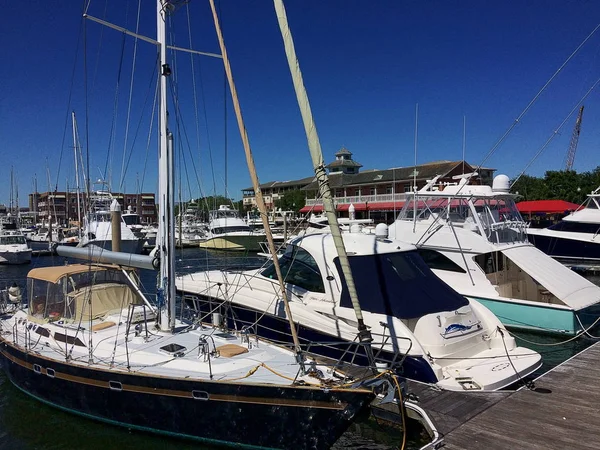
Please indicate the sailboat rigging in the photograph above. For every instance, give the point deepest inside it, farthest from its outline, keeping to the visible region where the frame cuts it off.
(416, 324)
(90, 342)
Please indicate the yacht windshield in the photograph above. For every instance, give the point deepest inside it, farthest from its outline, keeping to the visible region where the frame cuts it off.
(224, 214)
(298, 268)
(234, 229)
(398, 284)
(495, 218)
(131, 219)
(12, 240)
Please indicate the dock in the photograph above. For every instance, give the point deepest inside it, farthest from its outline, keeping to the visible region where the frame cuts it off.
(561, 412)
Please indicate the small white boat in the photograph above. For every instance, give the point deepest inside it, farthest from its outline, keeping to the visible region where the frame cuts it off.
(14, 248)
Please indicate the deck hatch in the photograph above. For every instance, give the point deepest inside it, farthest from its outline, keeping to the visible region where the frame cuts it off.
(173, 350)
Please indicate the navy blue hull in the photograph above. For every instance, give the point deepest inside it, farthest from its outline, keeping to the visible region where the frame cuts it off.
(316, 341)
(253, 415)
(567, 249)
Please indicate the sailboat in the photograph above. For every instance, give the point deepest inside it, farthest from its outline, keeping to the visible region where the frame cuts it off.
(92, 343)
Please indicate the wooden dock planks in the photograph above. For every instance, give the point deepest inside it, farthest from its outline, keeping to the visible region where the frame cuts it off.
(563, 412)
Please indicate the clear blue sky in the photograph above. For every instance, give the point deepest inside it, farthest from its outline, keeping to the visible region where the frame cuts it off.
(366, 65)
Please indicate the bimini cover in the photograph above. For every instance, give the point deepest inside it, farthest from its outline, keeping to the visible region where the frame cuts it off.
(398, 284)
(574, 290)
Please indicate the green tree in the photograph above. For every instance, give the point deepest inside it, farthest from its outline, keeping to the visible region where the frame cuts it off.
(292, 201)
(529, 188)
(558, 184)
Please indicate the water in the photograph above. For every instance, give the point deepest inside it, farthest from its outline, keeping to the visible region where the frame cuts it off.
(27, 424)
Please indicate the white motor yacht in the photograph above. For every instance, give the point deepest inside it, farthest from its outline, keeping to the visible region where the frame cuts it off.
(420, 325)
(14, 248)
(474, 238)
(576, 238)
(227, 231)
(97, 228)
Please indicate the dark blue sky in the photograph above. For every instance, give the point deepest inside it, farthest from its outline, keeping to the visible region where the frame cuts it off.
(366, 64)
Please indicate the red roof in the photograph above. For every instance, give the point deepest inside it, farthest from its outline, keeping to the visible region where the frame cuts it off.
(385, 206)
(546, 206)
(357, 207)
(315, 209)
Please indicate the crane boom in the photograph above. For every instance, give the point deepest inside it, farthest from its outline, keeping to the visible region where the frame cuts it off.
(574, 141)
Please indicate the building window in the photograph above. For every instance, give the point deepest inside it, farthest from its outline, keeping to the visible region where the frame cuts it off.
(339, 192)
(407, 188)
(372, 191)
(388, 190)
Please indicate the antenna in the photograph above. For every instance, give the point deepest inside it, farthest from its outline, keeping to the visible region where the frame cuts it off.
(415, 168)
(416, 139)
(464, 142)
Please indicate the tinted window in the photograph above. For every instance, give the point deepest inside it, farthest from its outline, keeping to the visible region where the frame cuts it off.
(575, 227)
(435, 260)
(490, 262)
(398, 284)
(223, 230)
(298, 268)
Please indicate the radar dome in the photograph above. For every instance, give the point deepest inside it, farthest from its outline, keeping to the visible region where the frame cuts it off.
(501, 183)
(381, 231)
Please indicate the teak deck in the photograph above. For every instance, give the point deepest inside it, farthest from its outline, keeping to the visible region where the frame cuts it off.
(563, 412)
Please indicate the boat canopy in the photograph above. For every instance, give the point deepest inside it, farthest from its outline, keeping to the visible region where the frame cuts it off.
(78, 293)
(573, 289)
(55, 273)
(398, 284)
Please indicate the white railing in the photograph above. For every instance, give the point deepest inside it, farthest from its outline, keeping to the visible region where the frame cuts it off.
(360, 199)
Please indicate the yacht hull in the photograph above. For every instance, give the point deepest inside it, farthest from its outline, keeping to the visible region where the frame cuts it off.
(249, 243)
(20, 257)
(226, 413)
(566, 249)
(544, 318)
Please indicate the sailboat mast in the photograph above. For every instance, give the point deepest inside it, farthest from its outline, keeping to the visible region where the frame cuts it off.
(75, 151)
(166, 282)
(35, 201)
(255, 184)
(319, 167)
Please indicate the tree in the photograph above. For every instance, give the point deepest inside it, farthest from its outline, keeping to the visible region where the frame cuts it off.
(530, 188)
(292, 201)
(558, 184)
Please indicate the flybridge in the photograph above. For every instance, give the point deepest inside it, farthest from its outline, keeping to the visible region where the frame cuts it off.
(488, 211)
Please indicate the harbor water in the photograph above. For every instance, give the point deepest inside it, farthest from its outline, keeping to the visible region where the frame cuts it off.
(27, 424)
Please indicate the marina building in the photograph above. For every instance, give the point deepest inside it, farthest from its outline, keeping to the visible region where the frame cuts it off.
(376, 194)
(62, 206)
